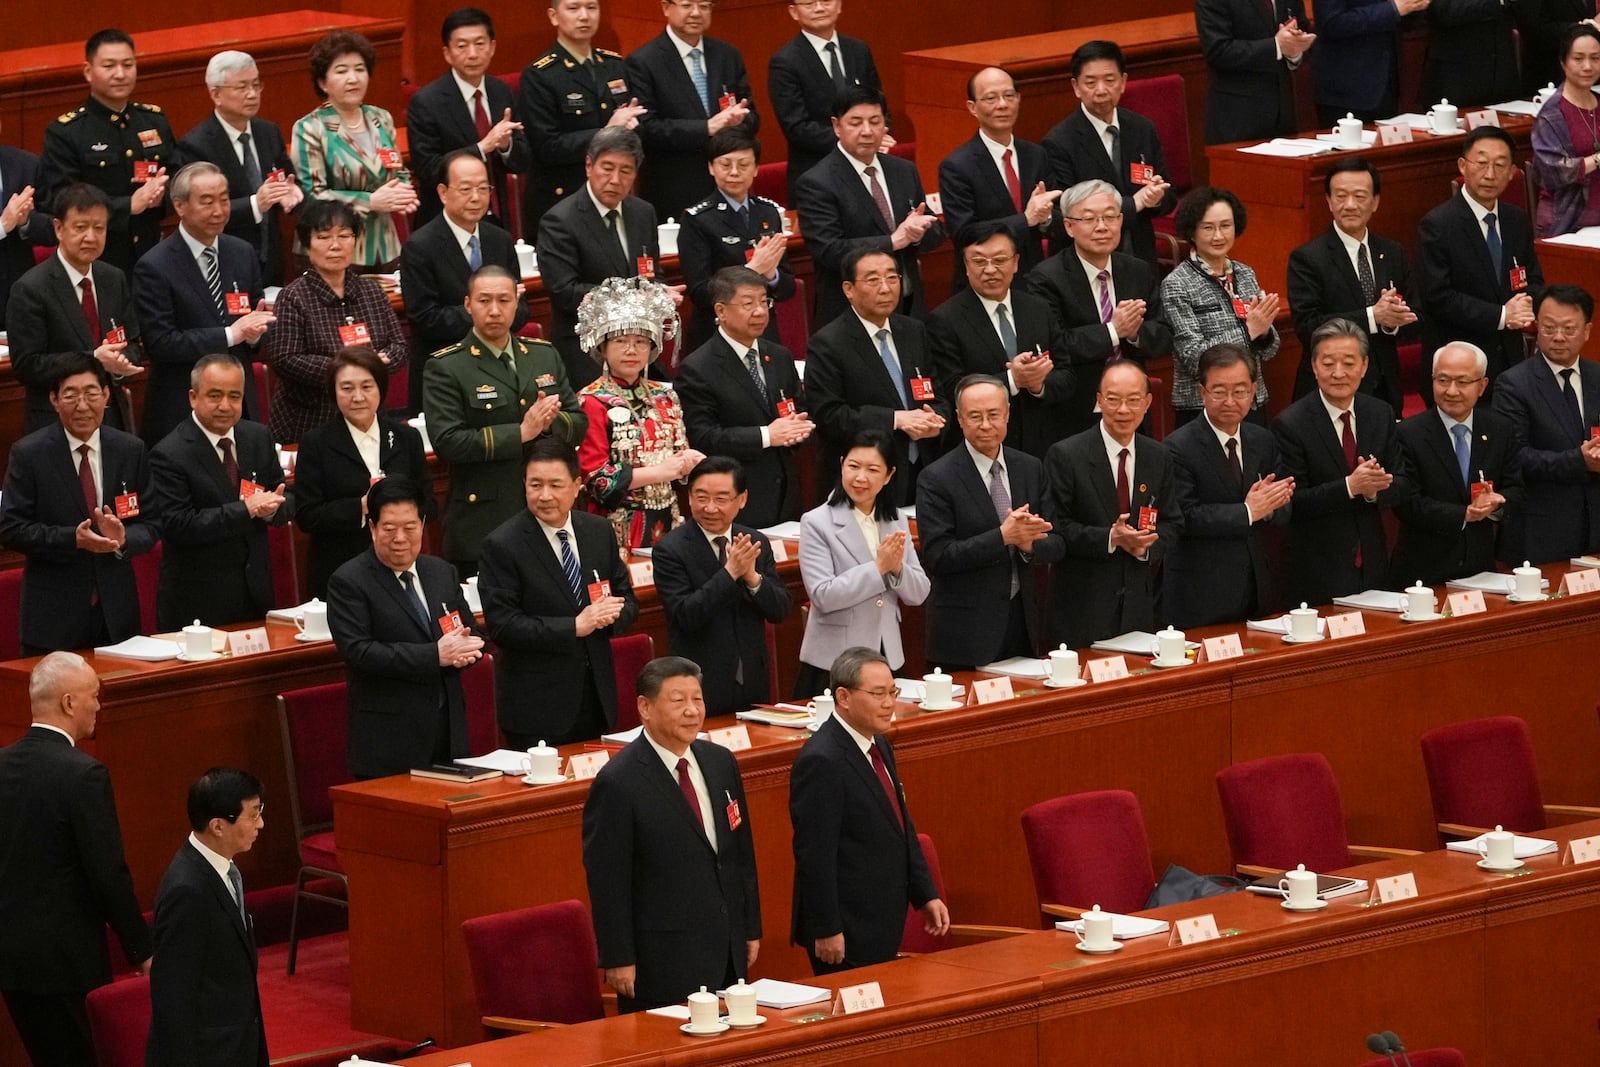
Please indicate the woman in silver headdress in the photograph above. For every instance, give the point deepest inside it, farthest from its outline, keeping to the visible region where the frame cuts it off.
(636, 446)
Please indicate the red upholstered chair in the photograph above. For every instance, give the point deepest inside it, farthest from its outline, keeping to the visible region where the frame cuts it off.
(263, 376)
(794, 321)
(1427, 1057)
(1161, 100)
(316, 725)
(535, 968)
(772, 182)
(1482, 774)
(1285, 810)
(285, 568)
(533, 331)
(477, 685)
(1410, 356)
(916, 940)
(1088, 849)
(42, 253)
(146, 577)
(628, 657)
(906, 150)
(398, 394)
(10, 609)
(119, 1022)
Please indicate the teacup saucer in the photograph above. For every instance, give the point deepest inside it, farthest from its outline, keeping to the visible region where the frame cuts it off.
(1318, 906)
(1171, 663)
(308, 637)
(760, 1020)
(1116, 946)
(1291, 639)
(696, 1031)
(1070, 684)
(1485, 865)
(1515, 599)
(949, 705)
(208, 657)
(1432, 616)
(529, 779)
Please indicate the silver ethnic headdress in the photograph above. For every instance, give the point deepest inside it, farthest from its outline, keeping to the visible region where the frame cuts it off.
(619, 306)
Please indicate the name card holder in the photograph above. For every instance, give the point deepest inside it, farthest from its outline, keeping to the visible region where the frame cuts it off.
(856, 998)
(992, 690)
(1107, 669)
(1584, 849)
(1194, 930)
(1393, 888)
(780, 551)
(1486, 117)
(1466, 602)
(734, 738)
(642, 573)
(248, 642)
(1348, 624)
(1584, 580)
(587, 764)
(1394, 133)
(1228, 646)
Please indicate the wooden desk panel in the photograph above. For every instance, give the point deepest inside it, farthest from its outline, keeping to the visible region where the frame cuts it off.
(1568, 265)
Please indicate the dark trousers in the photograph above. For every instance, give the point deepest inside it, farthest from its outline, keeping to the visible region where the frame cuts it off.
(54, 1028)
(1015, 642)
(587, 725)
(92, 636)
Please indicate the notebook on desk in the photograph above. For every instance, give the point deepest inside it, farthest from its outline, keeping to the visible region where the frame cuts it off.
(1328, 885)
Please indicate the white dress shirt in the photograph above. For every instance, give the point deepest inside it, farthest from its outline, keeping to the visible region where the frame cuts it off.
(96, 457)
(555, 543)
(1092, 272)
(1352, 248)
(1223, 439)
(75, 280)
(1336, 416)
(197, 250)
(220, 864)
(869, 528)
(996, 152)
(213, 438)
(990, 310)
(1479, 212)
(622, 232)
(234, 134)
(1103, 131)
(367, 445)
(1113, 456)
(702, 791)
(417, 593)
(820, 46)
(463, 236)
(684, 48)
(1577, 381)
(741, 351)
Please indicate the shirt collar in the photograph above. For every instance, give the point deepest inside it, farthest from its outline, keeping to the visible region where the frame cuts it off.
(862, 741)
(370, 434)
(1224, 438)
(493, 351)
(220, 864)
(668, 758)
(995, 147)
(735, 204)
(820, 43)
(601, 208)
(1099, 127)
(1478, 210)
(983, 462)
(990, 305)
(466, 90)
(93, 442)
(711, 538)
(1350, 243)
(196, 246)
(1335, 413)
(1092, 272)
(57, 729)
(1113, 446)
(683, 46)
(551, 531)
(872, 331)
(72, 272)
(213, 438)
(1556, 369)
(232, 131)
(1450, 424)
(739, 347)
(859, 166)
(462, 235)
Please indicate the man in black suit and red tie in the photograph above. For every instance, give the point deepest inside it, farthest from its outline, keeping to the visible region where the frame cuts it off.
(22, 225)
(804, 77)
(857, 861)
(63, 878)
(1252, 49)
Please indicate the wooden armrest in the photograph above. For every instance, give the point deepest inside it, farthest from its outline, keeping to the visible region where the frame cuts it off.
(508, 1025)
(1378, 852)
(977, 932)
(1251, 870)
(1570, 812)
(1062, 911)
(1462, 830)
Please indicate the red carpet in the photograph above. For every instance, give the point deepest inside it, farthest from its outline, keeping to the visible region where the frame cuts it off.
(308, 1013)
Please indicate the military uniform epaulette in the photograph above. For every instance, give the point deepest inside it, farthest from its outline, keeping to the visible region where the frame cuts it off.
(149, 107)
(71, 115)
(445, 351)
(704, 205)
(609, 52)
(768, 200)
(545, 60)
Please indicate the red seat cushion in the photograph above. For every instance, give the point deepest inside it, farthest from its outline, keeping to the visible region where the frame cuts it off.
(1088, 849)
(318, 850)
(536, 963)
(119, 1022)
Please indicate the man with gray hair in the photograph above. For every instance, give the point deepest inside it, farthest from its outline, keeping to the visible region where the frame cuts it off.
(63, 878)
(250, 151)
(1465, 466)
(199, 291)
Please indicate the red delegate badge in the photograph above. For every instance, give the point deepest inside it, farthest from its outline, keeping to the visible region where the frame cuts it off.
(1241, 308)
(735, 820)
(450, 623)
(647, 267)
(922, 388)
(354, 333)
(144, 170)
(128, 506)
(389, 158)
(726, 100)
(786, 408)
(1479, 488)
(277, 176)
(599, 590)
(248, 489)
(1141, 173)
(1519, 279)
(238, 303)
(116, 336)
(1148, 518)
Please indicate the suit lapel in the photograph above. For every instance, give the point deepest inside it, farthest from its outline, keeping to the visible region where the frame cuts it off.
(851, 181)
(863, 765)
(1444, 451)
(70, 302)
(850, 533)
(1555, 401)
(222, 896)
(972, 481)
(601, 237)
(1339, 260)
(61, 457)
(1092, 148)
(1472, 232)
(386, 580)
(671, 794)
(867, 350)
(735, 368)
(547, 557)
(982, 331)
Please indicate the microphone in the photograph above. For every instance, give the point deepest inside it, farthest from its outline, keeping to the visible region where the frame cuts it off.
(1395, 1046)
(1380, 1044)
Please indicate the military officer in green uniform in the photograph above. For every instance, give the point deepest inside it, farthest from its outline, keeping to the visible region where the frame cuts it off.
(566, 94)
(485, 398)
(122, 148)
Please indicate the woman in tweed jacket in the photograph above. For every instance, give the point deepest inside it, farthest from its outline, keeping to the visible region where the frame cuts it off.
(345, 149)
(1210, 299)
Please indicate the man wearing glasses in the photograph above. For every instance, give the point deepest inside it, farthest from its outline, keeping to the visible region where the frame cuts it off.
(805, 75)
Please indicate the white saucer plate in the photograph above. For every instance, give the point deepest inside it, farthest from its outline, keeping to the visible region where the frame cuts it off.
(308, 638)
(1164, 664)
(948, 706)
(1116, 946)
(1293, 640)
(1073, 684)
(1485, 865)
(529, 779)
(1432, 616)
(710, 1031)
(1515, 599)
(1318, 906)
(199, 659)
(761, 1020)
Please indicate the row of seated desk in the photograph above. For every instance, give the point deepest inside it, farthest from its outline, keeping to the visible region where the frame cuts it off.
(1499, 966)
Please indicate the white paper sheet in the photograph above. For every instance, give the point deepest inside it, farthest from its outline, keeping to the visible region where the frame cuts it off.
(1280, 625)
(1581, 561)
(671, 1011)
(1288, 147)
(1525, 847)
(771, 993)
(1135, 643)
(1020, 667)
(504, 760)
(1493, 582)
(1373, 600)
(768, 717)
(1368, 138)
(148, 649)
(469, 593)
(1588, 237)
(1123, 927)
(784, 531)
(288, 614)
(1517, 107)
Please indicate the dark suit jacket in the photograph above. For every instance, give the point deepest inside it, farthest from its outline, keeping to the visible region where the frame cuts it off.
(399, 695)
(181, 323)
(1353, 60)
(577, 253)
(62, 875)
(711, 238)
(1436, 543)
(44, 318)
(438, 122)
(1249, 90)
(205, 1009)
(1462, 294)
(1472, 56)
(674, 129)
(965, 341)
(969, 566)
(724, 416)
(719, 622)
(40, 510)
(855, 868)
(540, 663)
(802, 93)
(19, 169)
(849, 389)
(971, 189)
(330, 480)
(1327, 528)
(1072, 296)
(1560, 516)
(1101, 594)
(837, 215)
(1220, 570)
(1540, 24)
(215, 562)
(211, 142)
(433, 281)
(1077, 154)
(1323, 285)
(663, 900)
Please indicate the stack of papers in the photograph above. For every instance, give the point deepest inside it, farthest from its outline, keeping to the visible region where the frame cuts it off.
(782, 715)
(1368, 138)
(1280, 625)
(1525, 847)
(1529, 108)
(1288, 147)
(504, 760)
(771, 993)
(1020, 667)
(1135, 643)
(287, 614)
(1494, 582)
(671, 1011)
(1410, 118)
(469, 593)
(912, 691)
(784, 531)
(1581, 561)
(1588, 237)
(1123, 927)
(1374, 600)
(628, 737)
(148, 649)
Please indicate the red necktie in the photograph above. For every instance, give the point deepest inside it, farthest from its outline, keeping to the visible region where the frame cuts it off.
(480, 119)
(879, 198)
(230, 466)
(1124, 497)
(689, 794)
(91, 312)
(888, 786)
(91, 498)
(1012, 181)
(1347, 437)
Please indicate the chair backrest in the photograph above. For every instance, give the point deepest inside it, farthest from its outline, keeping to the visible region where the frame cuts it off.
(1284, 810)
(119, 1022)
(10, 610)
(398, 393)
(772, 182)
(532, 330)
(916, 938)
(1088, 849)
(513, 80)
(263, 376)
(285, 567)
(536, 963)
(477, 686)
(794, 321)
(628, 657)
(316, 726)
(146, 576)
(1483, 773)
(1161, 100)
(906, 150)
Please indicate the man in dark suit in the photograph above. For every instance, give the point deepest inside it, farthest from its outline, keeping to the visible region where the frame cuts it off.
(1472, 54)
(997, 176)
(1352, 273)
(71, 506)
(742, 398)
(1467, 477)
(1106, 141)
(601, 231)
(1540, 25)
(182, 315)
(1552, 406)
(74, 302)
(1479, 273)
(994, 328)
(251, 153)
(857, 861)
(555, 592)
(720, 589)
(1340, 448)
(1228, 493)
(216, 483)
(1112, 496)
(1108, 303)
(1356, 70)
(871, 368)
(22, 225)
(804, 77)
(465, 108)
(404, 629)
(63, 878)
(691, 86)
(669, 852)
(859, 199)
(205, 1007)
(1252, 51)
(980, 518)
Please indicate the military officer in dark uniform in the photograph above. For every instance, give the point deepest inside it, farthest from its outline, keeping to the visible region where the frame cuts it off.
(119, 147)
(566, 94)
(731, 228)
(484, 399)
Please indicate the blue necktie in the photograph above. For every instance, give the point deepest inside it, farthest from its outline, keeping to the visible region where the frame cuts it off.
(1491, 237)
(697, 70)
(236, 880)
(474, 252)
(418, 612)
(893, 367)
(1463, 452)
(1008, 336)
(569, 566)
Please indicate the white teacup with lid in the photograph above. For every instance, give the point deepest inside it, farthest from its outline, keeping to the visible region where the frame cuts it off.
(741, 1001)
(1096, 935)
(1419, 601)
(1063, 666)
(542, 762)
(197, 641)
(703, 1013)
(1527, 581)
(937, 688)
(1303, 623)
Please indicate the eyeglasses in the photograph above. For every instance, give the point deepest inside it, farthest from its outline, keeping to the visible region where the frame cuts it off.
(73, 397)
(1010, 96)
(1561, 333)
(244, 87)
(721, 500)
(1115, 402)
(1445, 381)
(480, 189)
(997, 262)
(882, 696)
(694, 5)
(1108, 219)
(881, 280)
(748, 306)
(1238, 392)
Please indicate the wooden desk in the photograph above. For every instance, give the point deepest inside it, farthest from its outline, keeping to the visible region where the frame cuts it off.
(1566, 264)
